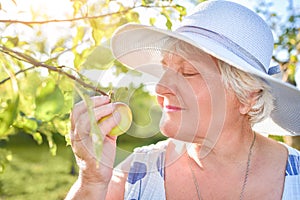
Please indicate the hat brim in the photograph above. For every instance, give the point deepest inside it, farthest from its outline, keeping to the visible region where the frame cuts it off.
(140, 46)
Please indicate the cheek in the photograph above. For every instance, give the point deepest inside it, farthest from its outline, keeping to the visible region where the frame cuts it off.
(203, 111)
(205, 102)
(211, 104)
(201, 96)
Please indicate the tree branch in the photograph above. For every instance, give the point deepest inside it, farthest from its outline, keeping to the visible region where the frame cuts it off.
(81, 18)
(35, 63)
(19, 72)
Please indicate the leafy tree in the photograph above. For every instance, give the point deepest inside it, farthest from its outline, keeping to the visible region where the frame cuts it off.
(286, 30)
(42, 60)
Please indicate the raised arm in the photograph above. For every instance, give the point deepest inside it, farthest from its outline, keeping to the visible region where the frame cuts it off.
(94, 175)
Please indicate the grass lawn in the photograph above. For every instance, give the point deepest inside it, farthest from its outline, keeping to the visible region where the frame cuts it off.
(34, 173)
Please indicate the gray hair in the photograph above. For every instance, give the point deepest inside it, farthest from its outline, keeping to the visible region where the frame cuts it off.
(241, 83)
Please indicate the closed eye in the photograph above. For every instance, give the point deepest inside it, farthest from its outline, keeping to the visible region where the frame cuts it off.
(189, 74)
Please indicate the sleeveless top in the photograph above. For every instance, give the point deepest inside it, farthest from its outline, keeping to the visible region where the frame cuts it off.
(146, 175)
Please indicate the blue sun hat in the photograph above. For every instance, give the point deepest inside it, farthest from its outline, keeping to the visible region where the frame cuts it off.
(229, 32)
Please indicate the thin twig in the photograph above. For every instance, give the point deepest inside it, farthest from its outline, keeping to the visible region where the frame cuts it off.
(35, 63)
(19, 72)
(79, 18)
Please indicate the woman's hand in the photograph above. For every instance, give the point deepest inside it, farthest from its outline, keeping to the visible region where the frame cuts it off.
(94, 175)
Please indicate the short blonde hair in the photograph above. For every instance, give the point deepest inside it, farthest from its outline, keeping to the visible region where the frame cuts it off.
(241, 83)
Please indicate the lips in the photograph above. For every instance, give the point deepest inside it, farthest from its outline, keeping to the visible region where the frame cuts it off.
(171, 108)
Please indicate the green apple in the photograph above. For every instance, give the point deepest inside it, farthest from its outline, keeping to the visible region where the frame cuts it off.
(125, 122)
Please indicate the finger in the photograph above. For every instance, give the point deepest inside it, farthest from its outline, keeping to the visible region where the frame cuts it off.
(82, 125)
(104, 110)
(83, 122)
(96, 100)
(81, 107)
(108, 124)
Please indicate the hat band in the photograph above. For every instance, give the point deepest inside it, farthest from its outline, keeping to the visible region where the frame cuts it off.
(227, 43)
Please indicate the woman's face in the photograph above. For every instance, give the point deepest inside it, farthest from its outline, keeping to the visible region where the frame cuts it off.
(193, 98)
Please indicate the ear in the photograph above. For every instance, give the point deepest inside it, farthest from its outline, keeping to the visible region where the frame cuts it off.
(245, 107)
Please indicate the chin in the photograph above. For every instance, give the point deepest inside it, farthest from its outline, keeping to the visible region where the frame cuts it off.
(184, 133)
(167, 129)
(173, 132)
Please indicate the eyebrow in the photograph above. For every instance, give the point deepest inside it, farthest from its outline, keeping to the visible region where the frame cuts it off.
(163, 62)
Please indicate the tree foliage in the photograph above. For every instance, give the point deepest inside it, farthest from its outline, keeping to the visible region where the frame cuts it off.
(286, 29)
(42, 60)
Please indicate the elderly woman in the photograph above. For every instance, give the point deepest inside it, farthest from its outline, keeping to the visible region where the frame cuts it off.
(218, 99)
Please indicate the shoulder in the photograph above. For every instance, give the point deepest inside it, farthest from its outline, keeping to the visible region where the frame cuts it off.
(293, 162)
(292, 151)
(292, 174)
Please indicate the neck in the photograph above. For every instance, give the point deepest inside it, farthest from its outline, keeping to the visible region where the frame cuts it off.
(230, 147)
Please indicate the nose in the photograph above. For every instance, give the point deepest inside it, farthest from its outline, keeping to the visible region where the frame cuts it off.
(167, 83)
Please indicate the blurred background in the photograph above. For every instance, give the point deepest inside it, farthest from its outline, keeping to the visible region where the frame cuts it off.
(54, 53)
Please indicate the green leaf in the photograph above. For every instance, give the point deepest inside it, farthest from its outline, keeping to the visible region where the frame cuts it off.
(29, 125)
(62, 125)
(97, 30)
(101, 58)
(9, 100)
(291, 73)
(8, 112)
(181, 10)
(97, 36)
(147, 2)
(49, 101)
(68, 139)
(168, 22)
(132, 16)
(27, 90)
(152, 21)
(120, 94)
(37, 137)
(79, 35)
(52, 145)
(120, 68)
(5, 158)
(12, 42)
(76, 7)
(80, 58)
(95, 132)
